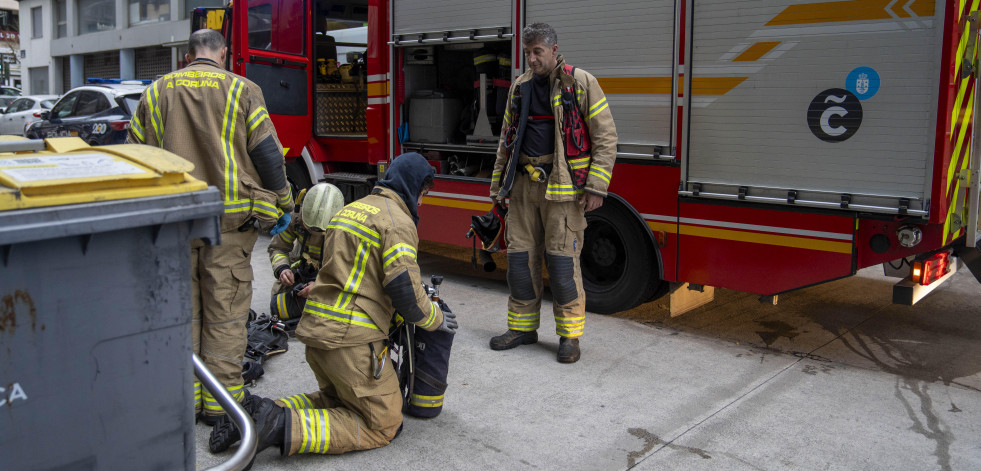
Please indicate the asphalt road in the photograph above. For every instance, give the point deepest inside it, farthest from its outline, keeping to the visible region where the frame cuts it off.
(834, 377)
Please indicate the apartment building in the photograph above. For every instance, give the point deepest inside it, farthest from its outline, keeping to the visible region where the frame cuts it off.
(65, 42)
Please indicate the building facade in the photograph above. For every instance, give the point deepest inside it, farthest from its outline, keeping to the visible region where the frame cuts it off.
(9, 44)
(66, 42)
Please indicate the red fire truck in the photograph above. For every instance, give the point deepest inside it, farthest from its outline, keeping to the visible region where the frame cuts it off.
(764, 145)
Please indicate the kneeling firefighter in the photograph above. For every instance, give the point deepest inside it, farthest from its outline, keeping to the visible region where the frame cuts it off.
(294, 278)
(372, 273)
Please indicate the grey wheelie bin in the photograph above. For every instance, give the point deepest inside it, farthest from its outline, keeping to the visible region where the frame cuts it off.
(95, 305)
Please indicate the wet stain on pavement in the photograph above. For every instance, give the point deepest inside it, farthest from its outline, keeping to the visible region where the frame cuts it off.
(775, 330)
(926, 422)
(650, 441)
(815, 369)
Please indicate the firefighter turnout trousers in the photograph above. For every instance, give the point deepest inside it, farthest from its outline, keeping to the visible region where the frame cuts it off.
(351, 411)
(536, 226)
(221, 294)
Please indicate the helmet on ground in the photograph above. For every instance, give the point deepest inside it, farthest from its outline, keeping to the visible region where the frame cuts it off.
(321, 203)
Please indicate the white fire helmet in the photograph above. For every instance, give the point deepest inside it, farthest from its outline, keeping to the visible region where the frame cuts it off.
(320, 204)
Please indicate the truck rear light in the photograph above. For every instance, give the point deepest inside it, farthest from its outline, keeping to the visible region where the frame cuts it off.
(119, 125)
(927, 271)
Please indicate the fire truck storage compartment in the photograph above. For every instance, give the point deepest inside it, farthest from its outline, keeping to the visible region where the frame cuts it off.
(442, 107)
(811, 113)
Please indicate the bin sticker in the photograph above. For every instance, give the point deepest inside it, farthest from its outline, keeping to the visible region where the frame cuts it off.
(11, 393)
(63, 167)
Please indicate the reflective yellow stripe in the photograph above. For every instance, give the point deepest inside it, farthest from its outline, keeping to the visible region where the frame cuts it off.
(284, 200)
(397, 251)
(431, 319)
(288, 236)
(280, 258)
(257, 117)
(340, 315)
(579, 163)
(601, 174)
(357, 274)
(561, 190)
(227, 135)
(569, 325)
(523, 322)
(305, 419)
(313, 249)
(427, 401)
(137, 128)
(598, 107)
(484, 58)
(212, 405)
(357, 229)
(155, 120)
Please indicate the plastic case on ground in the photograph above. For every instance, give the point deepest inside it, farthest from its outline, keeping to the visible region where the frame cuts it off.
(95, 305)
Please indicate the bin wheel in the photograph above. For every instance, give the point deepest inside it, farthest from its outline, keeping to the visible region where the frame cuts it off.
(619, 268)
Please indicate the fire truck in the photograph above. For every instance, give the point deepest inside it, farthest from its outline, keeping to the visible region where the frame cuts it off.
(764, 145)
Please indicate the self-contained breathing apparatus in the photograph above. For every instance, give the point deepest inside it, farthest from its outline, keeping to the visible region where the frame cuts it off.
(421, 360)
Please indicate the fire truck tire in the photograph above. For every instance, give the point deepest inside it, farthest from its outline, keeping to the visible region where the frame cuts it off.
(297, 174)
(619, 265)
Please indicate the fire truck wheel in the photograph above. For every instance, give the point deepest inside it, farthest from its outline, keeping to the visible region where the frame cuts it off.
(619, 266)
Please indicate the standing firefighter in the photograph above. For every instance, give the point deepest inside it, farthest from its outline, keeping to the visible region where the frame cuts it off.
(218, 121)
(372, 274)
(554, 161)
(294, 278)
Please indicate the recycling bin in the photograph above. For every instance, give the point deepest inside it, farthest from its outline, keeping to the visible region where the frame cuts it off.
(95, 305)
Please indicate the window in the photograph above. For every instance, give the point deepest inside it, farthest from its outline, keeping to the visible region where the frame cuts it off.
(148, 11)
(276, 25)
(190, 5)
(61, 18)
(90, 103)
(37, 23)
(64, 106)
(22, 104)
(47, 104)
(39, 80)
(96, 15)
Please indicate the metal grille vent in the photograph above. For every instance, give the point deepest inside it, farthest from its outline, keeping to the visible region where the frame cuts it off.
(152, 62)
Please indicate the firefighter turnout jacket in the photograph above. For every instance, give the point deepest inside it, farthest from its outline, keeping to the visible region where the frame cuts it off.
(598, 119)
(373, 272)
(283, 244)
(218, 121)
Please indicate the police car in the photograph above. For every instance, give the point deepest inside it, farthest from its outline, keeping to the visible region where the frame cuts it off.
(98, 113)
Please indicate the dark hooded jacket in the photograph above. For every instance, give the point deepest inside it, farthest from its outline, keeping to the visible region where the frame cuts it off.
(405, 176)
(372, 270)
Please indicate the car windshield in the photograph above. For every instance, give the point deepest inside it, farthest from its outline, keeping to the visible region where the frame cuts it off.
(47, 104)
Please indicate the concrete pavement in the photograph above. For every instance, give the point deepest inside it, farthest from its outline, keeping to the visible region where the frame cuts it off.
(834, 377)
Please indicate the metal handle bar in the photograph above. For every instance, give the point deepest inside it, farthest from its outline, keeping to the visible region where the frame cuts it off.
(246, 450)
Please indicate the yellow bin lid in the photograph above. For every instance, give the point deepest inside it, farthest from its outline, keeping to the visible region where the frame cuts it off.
(66, 170)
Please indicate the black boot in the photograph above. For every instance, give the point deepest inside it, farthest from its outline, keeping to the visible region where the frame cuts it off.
(568, 350)
(224, 432)
(513, 338)
(270, 425)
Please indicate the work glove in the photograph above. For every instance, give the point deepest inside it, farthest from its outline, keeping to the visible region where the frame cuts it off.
(281, 224)
(449, 319)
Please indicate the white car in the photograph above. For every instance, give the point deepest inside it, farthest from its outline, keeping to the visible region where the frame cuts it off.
(23, 111)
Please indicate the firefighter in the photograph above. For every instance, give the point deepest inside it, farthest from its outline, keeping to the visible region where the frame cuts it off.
(372, 274)
(218, 121)
(294, 278)
(553, 110)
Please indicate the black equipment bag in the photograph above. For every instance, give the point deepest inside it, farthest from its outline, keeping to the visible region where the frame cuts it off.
(266, 338)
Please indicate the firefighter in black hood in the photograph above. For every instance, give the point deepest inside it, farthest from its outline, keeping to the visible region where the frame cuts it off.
(371, 274)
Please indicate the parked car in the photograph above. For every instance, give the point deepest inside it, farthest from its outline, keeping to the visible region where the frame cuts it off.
(99, 114)
(23, 111)
(7, 96)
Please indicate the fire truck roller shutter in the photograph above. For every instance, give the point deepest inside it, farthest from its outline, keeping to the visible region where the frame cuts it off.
(621, 264)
